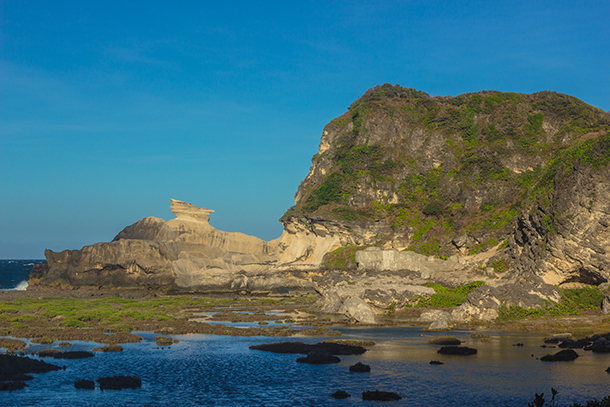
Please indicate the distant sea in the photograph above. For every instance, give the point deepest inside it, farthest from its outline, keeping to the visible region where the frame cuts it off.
(14, 274)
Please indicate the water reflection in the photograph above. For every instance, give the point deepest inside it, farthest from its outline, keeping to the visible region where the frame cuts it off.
(223, 371)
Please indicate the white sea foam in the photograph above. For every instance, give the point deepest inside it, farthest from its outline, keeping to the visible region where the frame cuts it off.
(21, 286)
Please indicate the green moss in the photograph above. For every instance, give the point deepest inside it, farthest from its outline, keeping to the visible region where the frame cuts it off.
(448, 297)
(342, 258)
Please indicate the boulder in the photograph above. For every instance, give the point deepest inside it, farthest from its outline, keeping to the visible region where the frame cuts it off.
(483, 302)
(119, 382)
(14, 367)
(445, 341)
(12, 386)
(377, 395)
(601, 345)
(606, 305)
(319, 356)
(439, 319)
(383, 299)
(566, 355)
(84, 384)
(53, 353)
(457, 350)
(360, 368)
(303, 348)
(343, 300)
(340, 394)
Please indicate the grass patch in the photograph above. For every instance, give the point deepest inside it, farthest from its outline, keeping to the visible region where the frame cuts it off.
(446, 297)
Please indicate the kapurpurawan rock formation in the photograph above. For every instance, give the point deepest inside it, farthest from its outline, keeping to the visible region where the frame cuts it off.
(504, 187)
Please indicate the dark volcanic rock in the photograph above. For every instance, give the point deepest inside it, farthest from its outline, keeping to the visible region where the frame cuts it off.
(457, 350)
(75, 354)
(445, 340)
(601, 345)
(340, 394)
(304, 348)
(10, 386)
(84, 384)
(119, 382)
(565, 355)
(360, 368)
(380, 395)
(319, 356)
(14, 367)
(572, 344)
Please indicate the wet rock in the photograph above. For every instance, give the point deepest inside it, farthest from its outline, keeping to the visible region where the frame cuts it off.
(340, 394)
(445, 340)
(565, 355)
(436, 362)
(163, 341)
(319, 356)
(360, 368)
(304, 348)
(11, 386)
(380, 395)
(572, 344)
(76, 354)
(84, 384)
(457, 350)
(109, 348)
(14, 367)
(119, 382)
(601, 345)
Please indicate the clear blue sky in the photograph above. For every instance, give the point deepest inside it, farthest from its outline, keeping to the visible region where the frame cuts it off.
(109, 109)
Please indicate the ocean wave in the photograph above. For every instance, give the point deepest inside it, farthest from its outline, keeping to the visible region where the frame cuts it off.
(22, 286)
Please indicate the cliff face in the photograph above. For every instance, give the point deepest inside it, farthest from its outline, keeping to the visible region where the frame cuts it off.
(494, 184)
(461, 175)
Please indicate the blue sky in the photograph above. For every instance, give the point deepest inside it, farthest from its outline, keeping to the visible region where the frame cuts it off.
(109, 109)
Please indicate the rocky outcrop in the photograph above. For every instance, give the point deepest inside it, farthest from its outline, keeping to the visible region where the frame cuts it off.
(439, 319)
(484, 302)
(184, 254)
(508, 188)
(566, 355)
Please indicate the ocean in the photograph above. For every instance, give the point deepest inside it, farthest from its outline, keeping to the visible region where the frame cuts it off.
(14, 273)
(211, 370)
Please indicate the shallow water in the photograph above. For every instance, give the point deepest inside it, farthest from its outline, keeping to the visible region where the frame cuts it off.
(222, 371)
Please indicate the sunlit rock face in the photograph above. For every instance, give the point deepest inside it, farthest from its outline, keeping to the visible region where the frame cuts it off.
(188, 254)
(503, 187)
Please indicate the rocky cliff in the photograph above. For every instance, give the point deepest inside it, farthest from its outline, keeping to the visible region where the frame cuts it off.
(445, 176)
(509, 188)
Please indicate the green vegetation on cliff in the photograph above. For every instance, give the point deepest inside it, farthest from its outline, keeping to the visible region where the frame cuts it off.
(430, 169)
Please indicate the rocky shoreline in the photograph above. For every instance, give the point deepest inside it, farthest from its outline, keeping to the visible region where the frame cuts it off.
(219, 314)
